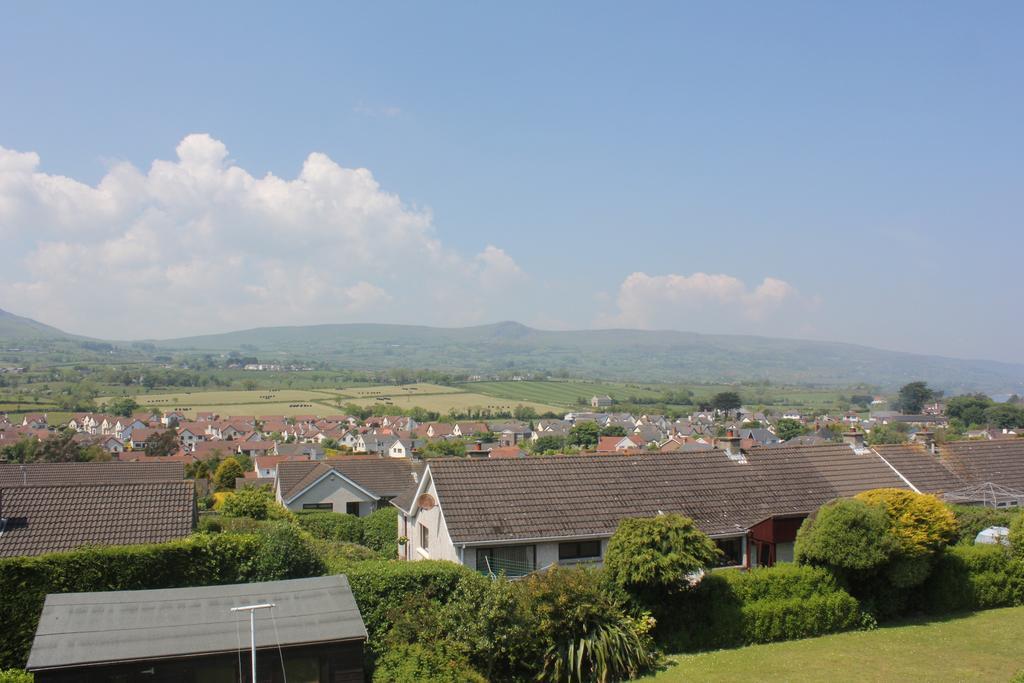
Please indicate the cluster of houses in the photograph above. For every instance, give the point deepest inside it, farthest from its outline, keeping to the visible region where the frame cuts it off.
(511, 515)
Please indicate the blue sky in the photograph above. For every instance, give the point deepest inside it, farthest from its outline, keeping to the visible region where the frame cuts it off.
(846, 172)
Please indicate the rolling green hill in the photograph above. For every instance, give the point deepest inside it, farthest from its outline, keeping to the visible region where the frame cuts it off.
(609, 354)
(622, 355)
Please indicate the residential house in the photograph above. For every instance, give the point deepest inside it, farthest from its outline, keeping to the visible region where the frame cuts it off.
(40, 519)
(265, 466)
(69, 473)
(618, 444)
(520, 515)
(351, 484)
(467, 429)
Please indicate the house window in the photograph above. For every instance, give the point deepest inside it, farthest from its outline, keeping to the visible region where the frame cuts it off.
(732, 551)
(513, 560)
(579, 550)
(318, 506)
(424, 537)
(352, 509)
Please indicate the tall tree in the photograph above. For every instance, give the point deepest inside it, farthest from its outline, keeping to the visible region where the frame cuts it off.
(584, 435)
(165, 443)
(913, 396)
(726, 400)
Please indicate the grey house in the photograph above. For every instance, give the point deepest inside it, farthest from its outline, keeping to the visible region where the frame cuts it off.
(314, 632)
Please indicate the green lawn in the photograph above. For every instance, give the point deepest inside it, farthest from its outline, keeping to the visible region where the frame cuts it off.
(983, 646)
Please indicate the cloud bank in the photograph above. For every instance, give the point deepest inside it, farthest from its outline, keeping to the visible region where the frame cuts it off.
(709, 302)
(198, 244)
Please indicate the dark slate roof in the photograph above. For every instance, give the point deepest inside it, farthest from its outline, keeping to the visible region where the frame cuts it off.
(576, 496)
(46, 519)
(56, 473)
(384, 477)
(78, 629)
(980, 462)
(924, 469)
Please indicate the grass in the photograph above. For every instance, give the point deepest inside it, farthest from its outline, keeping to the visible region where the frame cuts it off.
(290, 402)
(982, 646)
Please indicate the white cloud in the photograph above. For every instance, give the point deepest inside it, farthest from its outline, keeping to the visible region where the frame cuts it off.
(198, 244)
(706, 302)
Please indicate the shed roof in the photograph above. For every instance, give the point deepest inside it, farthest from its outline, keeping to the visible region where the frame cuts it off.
(55, 473)
(83, 629)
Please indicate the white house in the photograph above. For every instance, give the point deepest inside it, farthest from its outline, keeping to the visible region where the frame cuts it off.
(353, 485)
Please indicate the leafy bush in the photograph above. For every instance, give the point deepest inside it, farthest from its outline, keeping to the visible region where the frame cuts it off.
(211, 524)
(227, 471)
(380, 532)
(332, 526)
(653, 557)
(383, 589)
(584, 633)
(972, 519)
(15, 676)
(254, 502)
(1017, 536)
(285, 552)
(922, 523)
(338, 557)
(424, 663)
(849, 537)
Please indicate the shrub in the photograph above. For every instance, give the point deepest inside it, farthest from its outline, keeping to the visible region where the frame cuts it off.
(285, 552)
(1017, 536)
(338, 557)
(849, 537)
(783, 602)
(650, 558)
(434, 662)
(584, 633)
(332, 526)
(380, 532)
(972, 519)
(922, 523)
(974, 577)
(15, 676)
(252, 502)
(227, 471)
(211, 524)
(383, 588)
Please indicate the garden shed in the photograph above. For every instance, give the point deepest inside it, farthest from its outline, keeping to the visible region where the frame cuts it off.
(312, 634)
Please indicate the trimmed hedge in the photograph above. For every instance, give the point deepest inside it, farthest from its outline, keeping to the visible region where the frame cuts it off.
(380, 532)
(383, 588)
(199, 560)
(968, 577)
(332, 526)
(731, 608)
(15, 676)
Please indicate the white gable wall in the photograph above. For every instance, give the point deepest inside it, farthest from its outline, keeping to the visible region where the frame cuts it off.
(336, 490)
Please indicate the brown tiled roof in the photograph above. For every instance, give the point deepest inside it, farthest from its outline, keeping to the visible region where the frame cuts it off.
(980, 462)
(56, 473)
(45, 519)
(384, 477)
(847, 472)
(573, 496)
(924, 469)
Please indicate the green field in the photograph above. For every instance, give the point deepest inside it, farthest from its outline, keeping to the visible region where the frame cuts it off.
(290, 402)
(983, 646)
(567, 393)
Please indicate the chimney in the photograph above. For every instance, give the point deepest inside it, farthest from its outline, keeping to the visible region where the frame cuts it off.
(854, 438)
(479, 445)
(927, 439)
(731, 442)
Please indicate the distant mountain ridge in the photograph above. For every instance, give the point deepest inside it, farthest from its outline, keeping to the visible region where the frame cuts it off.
(614, 354)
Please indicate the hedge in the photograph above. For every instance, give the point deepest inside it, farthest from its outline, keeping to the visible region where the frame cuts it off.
(199, 560)
(382, 588)
(731, 608)
(380, 532)
(968, 577)
(332, 526)
(15, 676)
